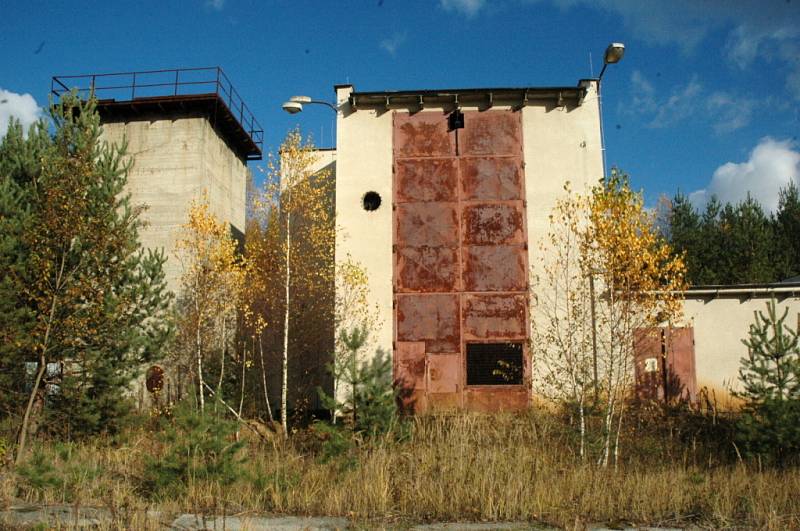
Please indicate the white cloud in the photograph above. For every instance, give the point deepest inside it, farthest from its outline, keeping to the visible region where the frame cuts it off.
(728, 112)
(21, 106)
(771, 166)
(680, 105)
(216, 5)
(468, 8)
(723, 111)
(756, 28)
(391, 44)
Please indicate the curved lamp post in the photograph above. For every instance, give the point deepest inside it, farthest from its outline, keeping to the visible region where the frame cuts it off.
(295, 104)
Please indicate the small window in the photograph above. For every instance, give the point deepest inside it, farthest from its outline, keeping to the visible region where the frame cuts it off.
(494, 364)
(371, 201)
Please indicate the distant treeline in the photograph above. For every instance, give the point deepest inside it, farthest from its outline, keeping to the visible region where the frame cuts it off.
(737, 244)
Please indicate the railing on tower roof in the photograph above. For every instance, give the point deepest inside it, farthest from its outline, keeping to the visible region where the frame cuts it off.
(208, 89)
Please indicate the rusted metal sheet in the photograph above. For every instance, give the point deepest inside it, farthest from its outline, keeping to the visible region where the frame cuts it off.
(443, 401)
(426, 224)
(494, 317)
(491, 178)
(491, 133)
(493, 223)
(495, 268)
(431, 318)
(409, 364)
(422, 135)
(682, 378)
(665, 364)
(426, 180)
(648, 363)
(459, 228)
(497, 398)
(427, 269)
(444, 373)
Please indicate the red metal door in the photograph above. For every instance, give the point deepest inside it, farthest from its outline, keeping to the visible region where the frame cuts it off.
(665, 364)
(460, 254)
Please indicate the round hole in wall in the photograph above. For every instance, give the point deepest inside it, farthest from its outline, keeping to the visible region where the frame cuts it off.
(371, 201)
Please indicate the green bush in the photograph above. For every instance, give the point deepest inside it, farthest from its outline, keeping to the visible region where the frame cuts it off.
(196, 447)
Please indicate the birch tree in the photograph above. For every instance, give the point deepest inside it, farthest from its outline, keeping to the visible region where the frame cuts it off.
(639, 281)
(211, 292)
(561, 331)
(296, 210)
(606, 274)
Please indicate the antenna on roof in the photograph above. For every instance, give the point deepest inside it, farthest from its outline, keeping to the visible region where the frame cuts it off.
(591, 66)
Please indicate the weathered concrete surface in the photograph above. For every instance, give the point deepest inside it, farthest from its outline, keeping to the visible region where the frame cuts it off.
(175, 158)
(69, 517)
(192, 522)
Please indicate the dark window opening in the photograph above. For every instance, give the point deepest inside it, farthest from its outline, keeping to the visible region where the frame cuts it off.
(494, 364)
(371, 201)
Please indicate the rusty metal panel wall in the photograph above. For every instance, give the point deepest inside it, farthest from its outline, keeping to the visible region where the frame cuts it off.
(460, 252)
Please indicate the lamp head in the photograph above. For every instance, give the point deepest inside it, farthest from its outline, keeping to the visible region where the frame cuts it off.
(614, 53)
(292, 107)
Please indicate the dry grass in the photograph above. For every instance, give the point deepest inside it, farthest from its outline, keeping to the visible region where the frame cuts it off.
(466, 468)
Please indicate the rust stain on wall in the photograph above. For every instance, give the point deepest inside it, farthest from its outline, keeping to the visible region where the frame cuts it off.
(491, 178)
(495, 268)
(429, 318)
(422, 135)
(426, 180)
(427, 269)
(493, 223)
(495, 316)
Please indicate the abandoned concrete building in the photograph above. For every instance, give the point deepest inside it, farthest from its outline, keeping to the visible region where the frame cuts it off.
(443, 196)
(188, 130)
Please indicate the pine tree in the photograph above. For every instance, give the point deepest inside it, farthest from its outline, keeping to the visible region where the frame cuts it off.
(747, 240)
(95, 303)
(786, 224)
(685, 237)
(709, 261)
(770, 377)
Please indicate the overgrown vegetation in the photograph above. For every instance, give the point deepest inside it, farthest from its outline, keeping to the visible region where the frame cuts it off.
(83, 306)
(679, 469)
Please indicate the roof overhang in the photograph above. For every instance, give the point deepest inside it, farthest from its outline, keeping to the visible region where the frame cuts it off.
(481, 97)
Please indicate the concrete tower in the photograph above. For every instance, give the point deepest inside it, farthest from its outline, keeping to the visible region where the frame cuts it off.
(187, 130)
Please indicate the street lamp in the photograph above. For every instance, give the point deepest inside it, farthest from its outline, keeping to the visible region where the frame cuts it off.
(295, 104)
(614, 54)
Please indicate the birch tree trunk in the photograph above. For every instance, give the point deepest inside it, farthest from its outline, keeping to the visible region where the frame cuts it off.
(26, 419)
(264, 378)
(285, 364)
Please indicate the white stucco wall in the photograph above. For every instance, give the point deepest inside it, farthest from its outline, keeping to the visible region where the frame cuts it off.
(720, 323)
(560, 144)
(174, 159)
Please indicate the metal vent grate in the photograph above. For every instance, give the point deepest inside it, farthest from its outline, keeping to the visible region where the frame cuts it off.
(494, 364)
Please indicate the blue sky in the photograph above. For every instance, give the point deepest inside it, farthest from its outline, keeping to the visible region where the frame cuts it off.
(706, 100)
